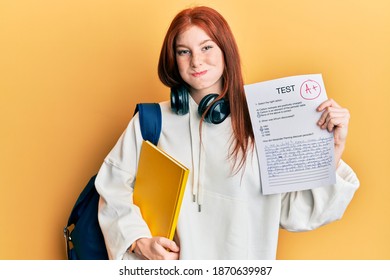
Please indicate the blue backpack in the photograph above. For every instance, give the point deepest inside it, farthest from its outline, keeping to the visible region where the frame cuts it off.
(83, 236)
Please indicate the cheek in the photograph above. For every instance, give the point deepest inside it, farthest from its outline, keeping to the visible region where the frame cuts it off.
(181, 64)
(217, 60)
(220, 65)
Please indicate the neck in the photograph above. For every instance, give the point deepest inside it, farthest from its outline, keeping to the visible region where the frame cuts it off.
(197, 95)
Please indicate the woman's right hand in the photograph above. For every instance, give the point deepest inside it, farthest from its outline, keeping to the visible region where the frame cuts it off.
(156, 248)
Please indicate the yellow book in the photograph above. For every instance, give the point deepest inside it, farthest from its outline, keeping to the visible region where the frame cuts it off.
(159, 189)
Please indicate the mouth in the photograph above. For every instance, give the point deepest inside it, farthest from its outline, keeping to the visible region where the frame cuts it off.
(199, 74)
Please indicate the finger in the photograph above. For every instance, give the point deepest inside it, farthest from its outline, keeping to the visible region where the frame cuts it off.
(328, 103)
(321, 121)
(169, 249)
(172, 256)
(168, 244)
(330, 113)
(335, 118)
(335, 122)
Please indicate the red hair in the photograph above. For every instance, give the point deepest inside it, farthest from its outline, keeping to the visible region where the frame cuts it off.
(233, 85)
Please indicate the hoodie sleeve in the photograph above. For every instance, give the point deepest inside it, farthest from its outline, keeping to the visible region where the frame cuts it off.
(120, 220)
(310, 209)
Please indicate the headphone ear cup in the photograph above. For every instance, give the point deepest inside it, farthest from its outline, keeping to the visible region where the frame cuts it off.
(174, 100)
(218, 111)
(204, 104)
(179, 100)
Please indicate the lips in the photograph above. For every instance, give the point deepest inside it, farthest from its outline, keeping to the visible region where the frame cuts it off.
(199, 74)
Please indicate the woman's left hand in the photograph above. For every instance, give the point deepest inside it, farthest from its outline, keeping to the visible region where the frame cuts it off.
(335, 119)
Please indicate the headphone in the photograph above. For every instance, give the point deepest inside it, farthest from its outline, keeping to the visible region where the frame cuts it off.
(217, 113)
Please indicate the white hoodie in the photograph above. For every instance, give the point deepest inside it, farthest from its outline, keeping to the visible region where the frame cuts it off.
(223, 215)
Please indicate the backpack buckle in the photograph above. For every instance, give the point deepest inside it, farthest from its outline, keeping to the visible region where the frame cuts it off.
(68, 239)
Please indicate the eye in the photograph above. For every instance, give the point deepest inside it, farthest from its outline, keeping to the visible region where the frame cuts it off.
(208, 47)
(182, 52)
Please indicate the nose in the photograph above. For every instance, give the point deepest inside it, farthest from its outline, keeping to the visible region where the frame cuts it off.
(196, 60)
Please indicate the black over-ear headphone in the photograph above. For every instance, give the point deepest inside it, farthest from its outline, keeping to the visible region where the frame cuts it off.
(216, 114)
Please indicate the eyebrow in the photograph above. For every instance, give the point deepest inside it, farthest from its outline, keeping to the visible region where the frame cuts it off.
(201, 43)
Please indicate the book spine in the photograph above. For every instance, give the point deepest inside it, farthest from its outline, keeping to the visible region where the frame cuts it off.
(178, 205)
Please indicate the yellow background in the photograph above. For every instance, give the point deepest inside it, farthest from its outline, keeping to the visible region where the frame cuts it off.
(71, 72)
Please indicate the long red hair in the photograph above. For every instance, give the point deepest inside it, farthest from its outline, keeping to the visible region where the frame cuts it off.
(233, 84)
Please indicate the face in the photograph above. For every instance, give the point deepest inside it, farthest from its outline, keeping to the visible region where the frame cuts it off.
(200, 62)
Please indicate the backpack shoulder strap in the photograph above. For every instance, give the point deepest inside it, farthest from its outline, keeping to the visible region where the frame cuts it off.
(150, 120)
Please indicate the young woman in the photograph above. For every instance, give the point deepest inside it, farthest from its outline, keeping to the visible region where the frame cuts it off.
(206, 126)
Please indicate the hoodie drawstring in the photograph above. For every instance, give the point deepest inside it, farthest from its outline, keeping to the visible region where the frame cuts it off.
(197, 150)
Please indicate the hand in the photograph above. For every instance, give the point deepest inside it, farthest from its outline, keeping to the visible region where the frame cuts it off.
(335, 118)
(157, 248)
